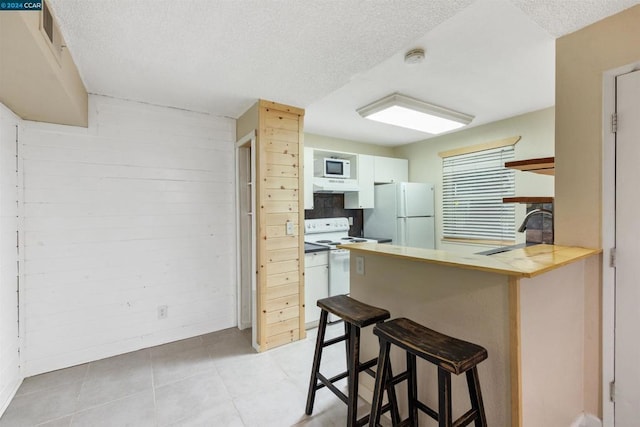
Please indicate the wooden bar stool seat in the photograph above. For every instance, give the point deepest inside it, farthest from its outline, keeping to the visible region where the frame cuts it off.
(356, 315)
(450, 355)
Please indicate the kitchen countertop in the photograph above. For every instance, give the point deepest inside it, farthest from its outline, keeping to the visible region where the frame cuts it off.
(524, 262)
(311, 247)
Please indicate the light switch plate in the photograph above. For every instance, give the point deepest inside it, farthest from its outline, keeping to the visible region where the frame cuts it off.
(289, 228)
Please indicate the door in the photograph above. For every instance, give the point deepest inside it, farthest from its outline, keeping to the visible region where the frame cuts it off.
(627, 286)
(416, 232)
(415, 199)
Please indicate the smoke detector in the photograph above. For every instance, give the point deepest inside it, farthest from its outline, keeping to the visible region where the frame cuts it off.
(414, 56)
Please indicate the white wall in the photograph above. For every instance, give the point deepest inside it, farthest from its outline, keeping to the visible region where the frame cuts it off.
(537, 132)
(337, 144)
(10, 377)
(135, 212)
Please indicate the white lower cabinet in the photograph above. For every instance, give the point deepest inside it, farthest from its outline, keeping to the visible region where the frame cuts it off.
(316, 285)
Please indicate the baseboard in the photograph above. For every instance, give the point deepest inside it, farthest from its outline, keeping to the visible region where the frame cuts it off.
(9, 397)
(587, 420)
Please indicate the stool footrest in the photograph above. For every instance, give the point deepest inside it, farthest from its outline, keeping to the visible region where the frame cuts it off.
(324, 382)
(365, 420)
(366, 366)
(466, 419)
(424, 408)
(399, 378)
(334, 341)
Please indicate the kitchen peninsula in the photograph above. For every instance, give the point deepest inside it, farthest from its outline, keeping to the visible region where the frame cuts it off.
(524, 306)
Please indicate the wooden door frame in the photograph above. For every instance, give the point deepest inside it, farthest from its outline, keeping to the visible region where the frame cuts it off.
(249, 139)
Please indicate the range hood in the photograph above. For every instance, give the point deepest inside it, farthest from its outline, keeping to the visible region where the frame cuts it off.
(334, 185)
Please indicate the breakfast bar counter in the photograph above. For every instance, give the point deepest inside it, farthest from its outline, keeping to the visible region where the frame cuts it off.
(525, 306)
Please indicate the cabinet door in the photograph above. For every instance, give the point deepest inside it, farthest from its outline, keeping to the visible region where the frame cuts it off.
(308, 178)
(316, 286)
(389, 169)
(362, 199)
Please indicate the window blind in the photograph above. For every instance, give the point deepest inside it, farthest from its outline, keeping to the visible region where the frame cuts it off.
(473, 185)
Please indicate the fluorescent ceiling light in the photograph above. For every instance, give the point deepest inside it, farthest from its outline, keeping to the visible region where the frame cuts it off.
(406, 112)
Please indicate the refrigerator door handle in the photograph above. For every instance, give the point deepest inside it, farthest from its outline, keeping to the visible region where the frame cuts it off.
(402, 232)
(405, 205)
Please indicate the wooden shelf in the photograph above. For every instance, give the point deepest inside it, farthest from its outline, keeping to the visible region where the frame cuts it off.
(527, 200)
(543, 165)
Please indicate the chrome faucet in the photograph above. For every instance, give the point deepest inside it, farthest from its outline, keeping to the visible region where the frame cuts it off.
(529, 214)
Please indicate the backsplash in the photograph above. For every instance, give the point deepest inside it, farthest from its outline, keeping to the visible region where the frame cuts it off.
(540, 227)
(329, 205)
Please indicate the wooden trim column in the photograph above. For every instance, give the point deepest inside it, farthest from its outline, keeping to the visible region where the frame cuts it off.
(515, 359)
(280, 247)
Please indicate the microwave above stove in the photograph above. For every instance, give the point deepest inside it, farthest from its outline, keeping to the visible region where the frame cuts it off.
(333, 168)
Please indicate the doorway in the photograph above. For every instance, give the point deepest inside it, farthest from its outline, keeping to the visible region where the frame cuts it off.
(246, 234)
(621, 231)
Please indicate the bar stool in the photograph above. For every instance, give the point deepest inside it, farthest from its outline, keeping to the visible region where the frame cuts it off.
(450, 355)
(356, 315)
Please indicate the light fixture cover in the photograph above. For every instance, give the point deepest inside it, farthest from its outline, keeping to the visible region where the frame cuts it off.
(407, 112)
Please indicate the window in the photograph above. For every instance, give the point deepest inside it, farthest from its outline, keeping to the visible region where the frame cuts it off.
(473, 185)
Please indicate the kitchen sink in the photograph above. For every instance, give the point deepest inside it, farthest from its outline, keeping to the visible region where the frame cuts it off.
(506, 248)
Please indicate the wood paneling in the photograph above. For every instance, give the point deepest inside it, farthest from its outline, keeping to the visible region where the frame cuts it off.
(133, 213)
(282, 170)
(280, 275)
(515, 358)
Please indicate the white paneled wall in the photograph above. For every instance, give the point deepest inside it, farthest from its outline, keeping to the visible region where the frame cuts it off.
(133, 213)
(10, 377)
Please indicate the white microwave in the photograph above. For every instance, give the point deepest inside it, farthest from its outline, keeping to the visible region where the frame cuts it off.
(334, 168)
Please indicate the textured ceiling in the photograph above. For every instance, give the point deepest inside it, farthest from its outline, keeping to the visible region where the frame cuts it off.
(489, 58)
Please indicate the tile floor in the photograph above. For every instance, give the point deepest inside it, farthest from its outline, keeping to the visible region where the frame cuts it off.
(210, 380)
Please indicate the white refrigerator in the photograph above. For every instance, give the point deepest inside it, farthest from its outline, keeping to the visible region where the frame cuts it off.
(404, 212)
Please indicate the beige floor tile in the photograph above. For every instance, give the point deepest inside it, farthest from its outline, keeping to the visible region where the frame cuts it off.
(134, 411)
(244, 376)
(53, 379)
(176, 347)
(176, 366)
(60, 422)
(189, 397)
(38, 407)
(221, 413)
(282, 404)
(215, 379)
(114, 378)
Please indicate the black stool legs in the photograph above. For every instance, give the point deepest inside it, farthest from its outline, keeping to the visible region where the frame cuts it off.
(450, 355)
(315, 367)
(355, 315)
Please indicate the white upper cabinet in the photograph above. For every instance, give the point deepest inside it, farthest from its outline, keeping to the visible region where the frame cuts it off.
(308, 178)
(389, 169)
(362, 199)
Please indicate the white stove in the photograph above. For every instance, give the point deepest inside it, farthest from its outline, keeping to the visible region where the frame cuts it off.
(330, 232)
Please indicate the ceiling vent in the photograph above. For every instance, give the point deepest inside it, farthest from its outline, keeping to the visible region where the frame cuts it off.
(51, 32)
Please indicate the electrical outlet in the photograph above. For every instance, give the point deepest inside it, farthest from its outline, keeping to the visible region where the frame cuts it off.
(289, 230)
(163, 311)
(350, 220)
(360, 265)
